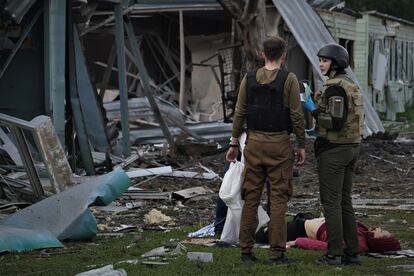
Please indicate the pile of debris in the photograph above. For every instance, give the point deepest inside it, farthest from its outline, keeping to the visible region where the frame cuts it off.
(152, 191)
(37, 185)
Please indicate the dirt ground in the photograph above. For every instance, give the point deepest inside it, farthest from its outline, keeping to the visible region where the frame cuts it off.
(384, 170)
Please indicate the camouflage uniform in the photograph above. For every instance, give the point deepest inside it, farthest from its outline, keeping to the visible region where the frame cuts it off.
(336, 159)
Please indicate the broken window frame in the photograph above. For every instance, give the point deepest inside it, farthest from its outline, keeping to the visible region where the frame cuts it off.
(399, 60)
(387, 50)
(17, 128)
(410, 62)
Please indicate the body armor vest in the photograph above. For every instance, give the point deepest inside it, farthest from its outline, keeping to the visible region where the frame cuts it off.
(265, 109)
(351, 132)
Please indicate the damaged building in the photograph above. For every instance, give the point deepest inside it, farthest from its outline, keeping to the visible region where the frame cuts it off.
(382, 56)
(111, 75)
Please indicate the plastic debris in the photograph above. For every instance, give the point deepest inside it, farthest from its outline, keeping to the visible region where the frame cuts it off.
(156, 217)
(104, 271)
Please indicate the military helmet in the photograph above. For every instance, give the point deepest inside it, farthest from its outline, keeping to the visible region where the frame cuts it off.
(337, 53)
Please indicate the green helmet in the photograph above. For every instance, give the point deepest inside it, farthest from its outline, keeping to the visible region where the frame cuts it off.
(337, 53)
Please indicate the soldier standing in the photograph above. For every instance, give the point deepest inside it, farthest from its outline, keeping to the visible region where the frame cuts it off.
(269, 101)
(339, 117)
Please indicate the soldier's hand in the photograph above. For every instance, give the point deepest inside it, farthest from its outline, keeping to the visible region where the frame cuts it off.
(300, 156)
(232, 153)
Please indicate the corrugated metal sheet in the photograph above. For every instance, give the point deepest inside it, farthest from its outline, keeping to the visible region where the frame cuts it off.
(173, 2)
(212, 131)
(145, 6)
(311, 33)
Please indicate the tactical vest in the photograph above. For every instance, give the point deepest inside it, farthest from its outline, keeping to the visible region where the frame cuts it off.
(265, 109)
(351, 132)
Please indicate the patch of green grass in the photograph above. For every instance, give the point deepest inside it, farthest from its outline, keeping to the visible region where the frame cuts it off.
(408, 114)
(83, 256)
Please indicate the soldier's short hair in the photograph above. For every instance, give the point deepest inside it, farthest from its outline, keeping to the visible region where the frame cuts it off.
(274, 47)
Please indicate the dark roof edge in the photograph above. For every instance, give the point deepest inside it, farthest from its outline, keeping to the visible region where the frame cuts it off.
(390, 17)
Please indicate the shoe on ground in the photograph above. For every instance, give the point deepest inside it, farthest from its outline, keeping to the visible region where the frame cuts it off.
(351, 259)
(282, 260)
(248, 257)
(329, 260)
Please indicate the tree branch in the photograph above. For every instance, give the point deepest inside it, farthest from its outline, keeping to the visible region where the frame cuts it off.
(249, 10)
(232, 7)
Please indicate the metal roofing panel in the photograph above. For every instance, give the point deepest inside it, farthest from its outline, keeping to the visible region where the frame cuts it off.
(311, 34)
(158, 2)
(145, 6)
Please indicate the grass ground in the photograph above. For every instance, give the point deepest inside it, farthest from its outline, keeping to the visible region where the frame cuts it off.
(403, 123)
(83, 256)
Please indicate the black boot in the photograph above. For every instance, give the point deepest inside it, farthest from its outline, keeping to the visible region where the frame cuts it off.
(282, 260)
(329, 260)
(351, 259)
(248, 257)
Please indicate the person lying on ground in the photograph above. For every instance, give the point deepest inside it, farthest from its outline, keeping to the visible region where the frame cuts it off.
(307, 232)
(311, 234)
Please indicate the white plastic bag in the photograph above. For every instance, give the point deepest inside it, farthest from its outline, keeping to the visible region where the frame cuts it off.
(231, 186)
(230, 193)
(231, 228)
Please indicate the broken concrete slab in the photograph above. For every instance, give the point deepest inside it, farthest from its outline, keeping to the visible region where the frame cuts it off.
(178, 249)
(52, 153)
(191, 192)
(204, 257)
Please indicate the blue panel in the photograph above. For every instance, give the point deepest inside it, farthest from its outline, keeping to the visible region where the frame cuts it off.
(66, 215)
(16, 239)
